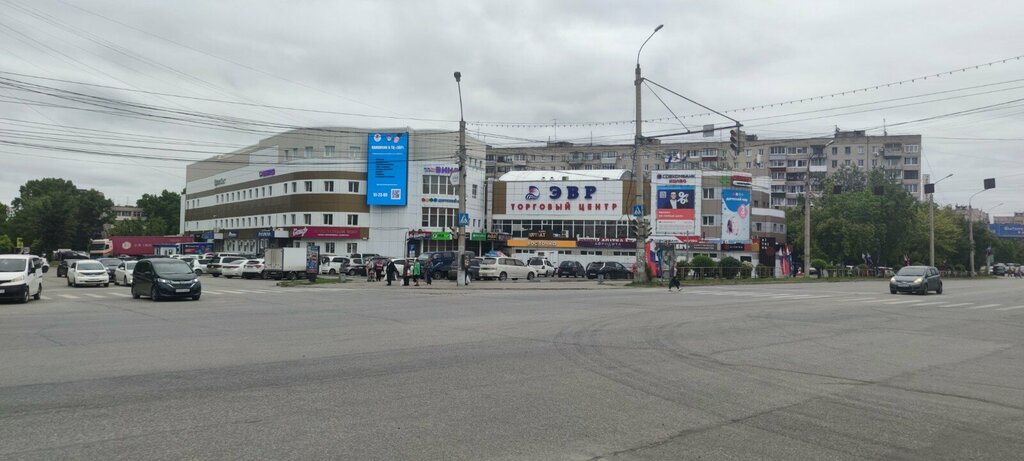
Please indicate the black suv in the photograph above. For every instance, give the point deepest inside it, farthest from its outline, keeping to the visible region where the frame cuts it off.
(62, 269)
(610, 270)
(570, 269)
(161, 278)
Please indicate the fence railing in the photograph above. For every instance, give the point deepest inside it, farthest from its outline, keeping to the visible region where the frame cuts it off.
(716, 272)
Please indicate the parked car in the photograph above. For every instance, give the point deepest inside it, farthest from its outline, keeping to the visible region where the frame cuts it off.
(570, 269)
(165, 278)
(62, 268)
(505, 268)
(474, 268)
(253, 269)
(610, 270)
(21, 277)
(87, 272)
(916, 279)
(441, 264)
(335, 264)
(998, 269)
(541, 266)
(123, 273)
(111, 265)
(214, 266)
(233, 268)
(199, 266)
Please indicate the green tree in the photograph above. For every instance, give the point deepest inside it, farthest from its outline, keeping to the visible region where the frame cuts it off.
(51, 213)
(6, 245)
(164, 208)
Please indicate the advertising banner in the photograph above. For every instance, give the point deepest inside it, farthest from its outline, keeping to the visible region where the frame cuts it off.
(676, 201)
(564, 200)
(312, 259)
(387, 168)
(735, 215)
(1007, 230)
(310, 232)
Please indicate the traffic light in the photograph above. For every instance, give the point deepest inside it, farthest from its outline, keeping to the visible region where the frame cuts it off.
(734, 140)
(642, 228)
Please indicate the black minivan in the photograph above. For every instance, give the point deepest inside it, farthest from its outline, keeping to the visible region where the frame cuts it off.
(165, 278)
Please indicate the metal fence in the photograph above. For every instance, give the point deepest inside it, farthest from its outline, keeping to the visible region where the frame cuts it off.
(727, 273)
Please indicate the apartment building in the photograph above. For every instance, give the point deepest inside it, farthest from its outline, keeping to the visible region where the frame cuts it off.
(787, 162)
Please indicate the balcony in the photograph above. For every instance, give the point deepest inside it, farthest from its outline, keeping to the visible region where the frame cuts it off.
(819, 168)
(892, 153)
(796, 169)
(778, 181)
(776, 157)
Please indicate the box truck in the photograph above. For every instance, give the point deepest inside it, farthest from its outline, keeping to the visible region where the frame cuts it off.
(289, 263)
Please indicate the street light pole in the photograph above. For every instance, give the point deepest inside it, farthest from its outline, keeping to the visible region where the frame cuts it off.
(460, 234)
(931, 220)
(638, 176)
(807, 211)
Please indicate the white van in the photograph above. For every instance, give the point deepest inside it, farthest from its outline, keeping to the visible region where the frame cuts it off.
(21, 276)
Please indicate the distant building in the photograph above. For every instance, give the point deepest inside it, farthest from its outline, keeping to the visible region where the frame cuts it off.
(1017, 218)
(127, 213)
(975, 215)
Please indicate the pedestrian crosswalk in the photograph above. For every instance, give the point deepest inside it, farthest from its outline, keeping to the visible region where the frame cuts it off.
(98, 294)
(841, 298)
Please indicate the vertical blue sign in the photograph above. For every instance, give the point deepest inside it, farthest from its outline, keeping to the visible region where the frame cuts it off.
(387, 169)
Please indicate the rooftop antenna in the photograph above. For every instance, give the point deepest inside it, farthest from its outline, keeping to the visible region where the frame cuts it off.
(554, 124)
(885, 132)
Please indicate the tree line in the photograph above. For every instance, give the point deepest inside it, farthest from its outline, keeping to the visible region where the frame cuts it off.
(858, 213)
(53, 213)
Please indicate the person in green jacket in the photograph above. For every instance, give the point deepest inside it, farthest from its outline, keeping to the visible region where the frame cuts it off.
(416, 272)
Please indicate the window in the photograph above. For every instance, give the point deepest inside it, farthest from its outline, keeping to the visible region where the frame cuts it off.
(910, 160)
(846, 150)
(874, 162)
(777, 150)
(911, 148)
(474, 190)
(835, 163)
(270, 191)
(353, 186)
(329, 247)
(293, 218)
(709, 193)
(328, 186)
(308, 186)
(860, 150)
(846, 162)
(286, 188)
(708, 220)
(757, 227)
(328, 151)
(328, 219)
(308, 152)
(351, 248)
(835, 151)
(860, 162)
(353, 220)
(910, 174)
(295, 186)
(910, 188)
(438, 217)
(307, 218)
(437, 185)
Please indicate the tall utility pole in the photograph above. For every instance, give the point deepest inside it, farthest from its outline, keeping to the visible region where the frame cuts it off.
(990, 183)
(638, 176)
(930, 190)
(807, 209)
(461, 188)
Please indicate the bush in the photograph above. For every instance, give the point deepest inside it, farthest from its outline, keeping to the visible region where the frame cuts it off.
(682, 268)
(703, 266)
(730, 267)
(960, 268)
(745, 269)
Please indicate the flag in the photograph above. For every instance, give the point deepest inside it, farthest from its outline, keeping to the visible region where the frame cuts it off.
(652, 259)
(787, 262)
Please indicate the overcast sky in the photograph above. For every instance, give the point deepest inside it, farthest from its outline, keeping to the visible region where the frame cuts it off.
(566, 64)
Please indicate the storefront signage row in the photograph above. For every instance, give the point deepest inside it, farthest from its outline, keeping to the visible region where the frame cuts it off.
(606, 242)
(311, 232)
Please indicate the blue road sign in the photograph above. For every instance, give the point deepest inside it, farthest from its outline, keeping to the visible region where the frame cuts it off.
(638, 211)
(463, 219)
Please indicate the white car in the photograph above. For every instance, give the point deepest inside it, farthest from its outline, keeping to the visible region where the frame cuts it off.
(541, 266)
(199, 266)
(505, 268)
(334, 264)
(123, 273)
(232, 269)
(21, 277)
(87, 272)
(253, 269)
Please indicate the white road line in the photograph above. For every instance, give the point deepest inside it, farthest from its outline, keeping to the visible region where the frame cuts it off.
(123, 295)
(984, 306)
(927, 304)
(69, 296)
(956, 305)
(211, 292)
(93, 296)
(900, 302)
(233, 292)
(1010, 308)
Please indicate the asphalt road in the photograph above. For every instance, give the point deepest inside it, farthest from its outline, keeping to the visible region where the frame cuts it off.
(363, 371)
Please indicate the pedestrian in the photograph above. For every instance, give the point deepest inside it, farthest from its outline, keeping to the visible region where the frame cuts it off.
(416, 268)
(379, 267)
(465, 268)
(392, 272)
(406, 273)
(428, 271)
(674, 281)
(370, 275)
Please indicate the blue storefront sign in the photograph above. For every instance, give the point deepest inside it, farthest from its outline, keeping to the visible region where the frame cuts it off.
(387, 168)
(265, 234)
(1007, 230)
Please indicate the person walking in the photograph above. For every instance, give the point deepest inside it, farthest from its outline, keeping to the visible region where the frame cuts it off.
(428, 271)
(416, 269)
(674, 281)
(392, 272)
(406, 272)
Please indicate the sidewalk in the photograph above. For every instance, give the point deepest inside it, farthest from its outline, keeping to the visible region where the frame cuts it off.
(491, 285)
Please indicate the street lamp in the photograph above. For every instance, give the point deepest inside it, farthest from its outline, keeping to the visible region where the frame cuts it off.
(807, 210)
(989, 183)
(461, 187)
(930, 190)
(641, 257)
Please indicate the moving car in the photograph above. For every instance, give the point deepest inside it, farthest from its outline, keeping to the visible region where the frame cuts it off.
(111, 265)
(21, 277)
(916, 279)
(541, 266)
(213, 267)
(123, 273)
(87, 272)
(65, 263)
(163, 278)
(505, 268)
(253, 269)
(570, 269)
(610, 270)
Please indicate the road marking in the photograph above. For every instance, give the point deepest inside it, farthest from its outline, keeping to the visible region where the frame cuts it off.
(123, 295)
(1010, 308)
(901, 302)
(211, 292)
(984, 306)
(93, 296)
(956, 305)
(233, 292)
(69, 296)
(927, 304)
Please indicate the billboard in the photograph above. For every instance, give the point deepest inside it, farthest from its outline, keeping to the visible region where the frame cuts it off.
(387, 168)
(564, 200)
(676, 203)
(735, 215)
(1007, 230)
